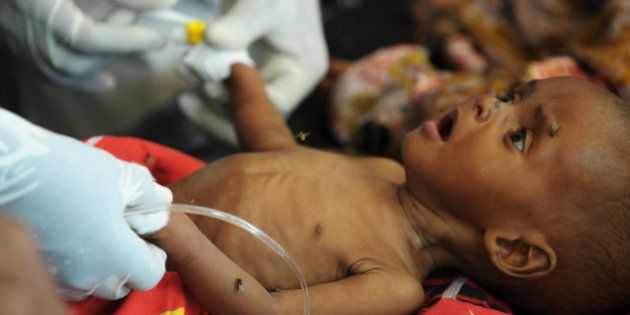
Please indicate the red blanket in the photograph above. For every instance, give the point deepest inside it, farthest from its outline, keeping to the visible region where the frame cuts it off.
(447, 293)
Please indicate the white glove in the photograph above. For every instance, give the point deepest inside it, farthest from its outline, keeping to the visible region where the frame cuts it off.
(65, 42)
(292, 55)
(74, 197)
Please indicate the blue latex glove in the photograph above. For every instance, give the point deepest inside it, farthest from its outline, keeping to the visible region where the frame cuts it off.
(74, 197)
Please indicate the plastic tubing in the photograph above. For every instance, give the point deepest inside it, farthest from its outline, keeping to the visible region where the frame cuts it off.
(250, 228)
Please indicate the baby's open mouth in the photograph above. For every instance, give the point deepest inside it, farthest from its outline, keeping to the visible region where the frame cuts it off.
(446, 124)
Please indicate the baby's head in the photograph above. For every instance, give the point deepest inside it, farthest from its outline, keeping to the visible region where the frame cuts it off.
(535, 188)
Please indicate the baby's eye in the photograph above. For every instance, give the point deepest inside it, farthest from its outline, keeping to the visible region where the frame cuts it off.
(508, 96)
(518, 138)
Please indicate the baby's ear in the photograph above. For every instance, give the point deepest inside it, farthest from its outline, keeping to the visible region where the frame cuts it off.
(520, 255)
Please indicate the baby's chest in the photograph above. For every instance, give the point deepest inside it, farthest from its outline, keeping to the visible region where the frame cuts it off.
(326, 247)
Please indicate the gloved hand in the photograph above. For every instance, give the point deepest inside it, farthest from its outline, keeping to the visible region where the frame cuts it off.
(75, 197)
(64, 41)
(292, 55)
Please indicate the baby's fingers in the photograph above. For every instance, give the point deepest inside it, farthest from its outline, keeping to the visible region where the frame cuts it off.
(246, 86)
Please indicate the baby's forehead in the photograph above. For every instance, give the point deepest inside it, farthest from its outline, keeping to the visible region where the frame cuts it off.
(576, 99)
(589, 129)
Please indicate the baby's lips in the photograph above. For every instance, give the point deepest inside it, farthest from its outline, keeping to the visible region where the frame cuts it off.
(431, 130)
(447, 123)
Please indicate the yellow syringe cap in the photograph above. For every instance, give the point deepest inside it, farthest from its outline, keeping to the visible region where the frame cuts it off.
(194, 31)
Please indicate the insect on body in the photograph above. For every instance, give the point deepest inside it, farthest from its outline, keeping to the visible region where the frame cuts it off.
(240, 286)
(302, 135)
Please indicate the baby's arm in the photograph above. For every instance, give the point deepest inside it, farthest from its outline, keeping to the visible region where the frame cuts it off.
(259, 125)
(214, 280)
(208, 273)
(378, 291)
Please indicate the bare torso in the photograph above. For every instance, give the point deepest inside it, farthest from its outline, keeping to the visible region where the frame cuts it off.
(335, 215)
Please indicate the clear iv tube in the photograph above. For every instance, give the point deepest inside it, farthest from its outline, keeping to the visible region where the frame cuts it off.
(250, 228)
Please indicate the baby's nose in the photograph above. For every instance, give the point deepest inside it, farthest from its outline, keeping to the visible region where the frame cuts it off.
(485, 106)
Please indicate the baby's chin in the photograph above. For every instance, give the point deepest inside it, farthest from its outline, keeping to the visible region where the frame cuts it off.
(417, 148)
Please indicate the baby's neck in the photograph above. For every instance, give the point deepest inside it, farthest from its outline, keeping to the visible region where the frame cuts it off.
(428, 231)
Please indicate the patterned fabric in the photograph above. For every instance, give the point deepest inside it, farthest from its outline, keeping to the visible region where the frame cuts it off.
(446, 285)
(509, 34)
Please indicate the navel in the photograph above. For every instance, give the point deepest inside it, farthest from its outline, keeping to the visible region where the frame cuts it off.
(318, 230)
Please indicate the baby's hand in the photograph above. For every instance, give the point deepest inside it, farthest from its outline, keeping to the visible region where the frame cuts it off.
(246, 85)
